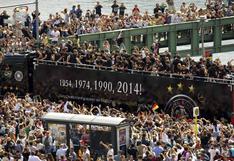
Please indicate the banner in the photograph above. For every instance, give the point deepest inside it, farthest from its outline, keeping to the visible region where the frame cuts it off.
(176, 96)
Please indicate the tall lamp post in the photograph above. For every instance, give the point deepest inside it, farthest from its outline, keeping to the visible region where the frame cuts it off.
(232, 89)
(202, 20)
(37, 24)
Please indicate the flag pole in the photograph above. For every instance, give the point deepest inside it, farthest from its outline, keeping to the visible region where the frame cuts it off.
(195, 128)
(37, 24)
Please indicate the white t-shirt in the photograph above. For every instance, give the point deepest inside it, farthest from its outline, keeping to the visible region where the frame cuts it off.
(40, 146)
(66, 18)
(55, 35)
(86, 155)
(216, 128)
(33, 158)
(17, 106)
(213, 153)
(61, 152)
(110, 153)
(65, 109)
(165, 138)
(6, 159)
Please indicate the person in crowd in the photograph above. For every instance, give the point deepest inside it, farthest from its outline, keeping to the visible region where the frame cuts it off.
(171, 5)
(85, 153)
(110, 150)
(153, 137)
(72, 156)
(65, 17)
(72, 11)
(135, 11)
(55, 35)
(183, 8)
(98, 9)
(74, 57)
(33, 157)
(61, 152)
(78, 12)
(156, 10)
(47, 140)
(76, 23)
(3, 17)
(122, 9)
(115, 8)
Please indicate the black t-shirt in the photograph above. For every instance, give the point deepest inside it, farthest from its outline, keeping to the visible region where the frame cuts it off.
(108, 63)
(222, 73)
(98, 9)
(69, 47)
(115, 8)
(99, 61)
(57, 56)
(201, 72)
(156, 9)
(63, 56)
(133, 151)
(121, 10)
(48, 52)
(205, 140)
(78, 12)
(2, 18)
(175, 63)
(72, 58)
(145, 142)
(26, 155)
(213, 72)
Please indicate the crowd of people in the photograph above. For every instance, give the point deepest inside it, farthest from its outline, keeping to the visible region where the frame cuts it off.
(154, 136)
(143, 59)
(77, 22)
(20, 37)
(140, 59)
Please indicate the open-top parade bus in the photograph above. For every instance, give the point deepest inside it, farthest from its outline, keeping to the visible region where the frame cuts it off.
(174, 94)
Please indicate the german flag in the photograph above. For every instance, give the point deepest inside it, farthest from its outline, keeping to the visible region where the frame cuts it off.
(154, 107)
(208, 54)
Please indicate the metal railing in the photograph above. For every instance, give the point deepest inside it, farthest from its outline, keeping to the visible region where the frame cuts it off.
(131, 71)
(193, 36)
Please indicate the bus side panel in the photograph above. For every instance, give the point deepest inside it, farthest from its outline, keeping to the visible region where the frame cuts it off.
(14, 75)
(66, 82)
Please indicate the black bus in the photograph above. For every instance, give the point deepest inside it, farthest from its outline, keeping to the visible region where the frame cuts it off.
(174, 94)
